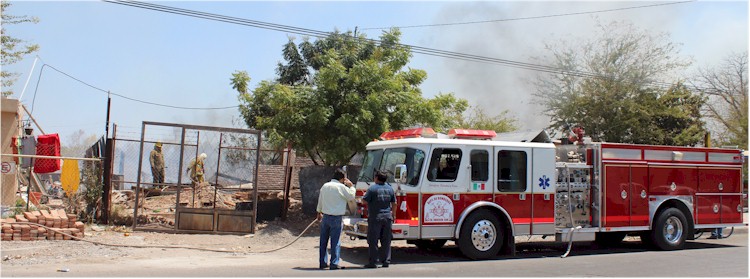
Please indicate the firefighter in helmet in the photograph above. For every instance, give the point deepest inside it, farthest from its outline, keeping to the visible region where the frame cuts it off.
(196, 168)
(157, 165)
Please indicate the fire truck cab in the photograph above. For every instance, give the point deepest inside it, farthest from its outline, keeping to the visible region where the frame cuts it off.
(480, 191)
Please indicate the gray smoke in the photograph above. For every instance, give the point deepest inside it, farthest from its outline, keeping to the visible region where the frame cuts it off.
(496, 87)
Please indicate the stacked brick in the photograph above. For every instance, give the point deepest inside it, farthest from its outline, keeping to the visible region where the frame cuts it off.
(56, 219)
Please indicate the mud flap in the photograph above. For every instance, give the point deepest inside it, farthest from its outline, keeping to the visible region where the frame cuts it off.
(510, 246)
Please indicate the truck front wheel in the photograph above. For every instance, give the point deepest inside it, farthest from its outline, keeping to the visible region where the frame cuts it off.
(481, 235)
(669, 231)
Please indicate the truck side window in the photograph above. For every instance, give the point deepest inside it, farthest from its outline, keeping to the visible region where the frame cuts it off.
(444, 164)
(511, 171)
(479, 165)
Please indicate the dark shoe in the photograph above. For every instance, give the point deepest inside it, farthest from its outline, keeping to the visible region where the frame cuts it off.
(713, 237)
(334, 267)
(323, 266)
(371, 266)
(385, 265)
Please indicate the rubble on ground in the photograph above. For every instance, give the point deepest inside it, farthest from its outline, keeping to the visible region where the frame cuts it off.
(157, 206)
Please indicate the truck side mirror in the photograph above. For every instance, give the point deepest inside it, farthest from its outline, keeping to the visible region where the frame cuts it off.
(399, 173)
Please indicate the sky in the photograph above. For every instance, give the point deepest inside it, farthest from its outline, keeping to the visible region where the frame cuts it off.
(184, 61)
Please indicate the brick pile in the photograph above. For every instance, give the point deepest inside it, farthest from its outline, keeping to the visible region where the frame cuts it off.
(55, 218)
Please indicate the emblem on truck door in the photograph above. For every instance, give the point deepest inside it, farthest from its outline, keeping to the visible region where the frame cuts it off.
(438, 209)
(544, 182)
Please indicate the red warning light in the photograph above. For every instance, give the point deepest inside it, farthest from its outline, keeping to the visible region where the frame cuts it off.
(471, 134)
(411, 133)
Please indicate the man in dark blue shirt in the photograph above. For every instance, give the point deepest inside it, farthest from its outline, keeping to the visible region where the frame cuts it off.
(380, 199)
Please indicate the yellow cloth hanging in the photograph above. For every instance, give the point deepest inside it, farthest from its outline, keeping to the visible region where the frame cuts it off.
(70, 177)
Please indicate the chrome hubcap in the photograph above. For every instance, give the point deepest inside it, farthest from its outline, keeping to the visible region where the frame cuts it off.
(673, 230)
(483, 235)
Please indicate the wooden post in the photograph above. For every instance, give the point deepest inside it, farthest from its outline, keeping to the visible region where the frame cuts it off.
(287, 181)
(109, 155)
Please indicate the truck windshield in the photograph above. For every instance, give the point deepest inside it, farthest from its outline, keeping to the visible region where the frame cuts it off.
(386, 160)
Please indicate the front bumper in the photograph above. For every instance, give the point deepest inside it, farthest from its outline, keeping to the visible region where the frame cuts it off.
(357, 227)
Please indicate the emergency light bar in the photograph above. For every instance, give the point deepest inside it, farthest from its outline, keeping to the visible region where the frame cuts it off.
(471, 134)
(411, 133)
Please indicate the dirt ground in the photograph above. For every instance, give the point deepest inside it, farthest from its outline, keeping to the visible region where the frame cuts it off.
(157, 207)
(268, 236)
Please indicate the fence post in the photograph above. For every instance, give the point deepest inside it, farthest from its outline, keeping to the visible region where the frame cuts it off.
(109, 154)
(287, 181)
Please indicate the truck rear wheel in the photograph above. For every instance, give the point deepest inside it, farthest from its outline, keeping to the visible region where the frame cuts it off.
(481, 235)
(669, 231)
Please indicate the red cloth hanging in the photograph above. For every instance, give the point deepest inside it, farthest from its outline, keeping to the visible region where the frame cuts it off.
(14, 147)
(47, 145)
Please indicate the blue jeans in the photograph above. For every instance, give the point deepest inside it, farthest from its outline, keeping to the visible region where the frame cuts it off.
(330, 227)
(379, 230)
(717, 232)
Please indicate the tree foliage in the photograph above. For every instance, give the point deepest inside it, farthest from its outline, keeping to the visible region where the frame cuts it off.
(726, 88)
(614, 90)
(334, 95)
(13, 49)
(480, 119)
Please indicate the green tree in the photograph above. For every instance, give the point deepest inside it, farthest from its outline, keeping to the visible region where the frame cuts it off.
(13, 49)
(610, 86)
(726, 89)
(239, 81)
(336, 94)
(481, 120)
(677, 117)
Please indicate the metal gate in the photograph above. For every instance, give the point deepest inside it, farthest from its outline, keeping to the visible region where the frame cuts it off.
(223, 200)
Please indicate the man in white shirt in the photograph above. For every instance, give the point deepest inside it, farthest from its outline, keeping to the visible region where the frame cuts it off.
(332, 202)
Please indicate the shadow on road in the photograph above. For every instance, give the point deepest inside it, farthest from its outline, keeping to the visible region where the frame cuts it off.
(524, 250)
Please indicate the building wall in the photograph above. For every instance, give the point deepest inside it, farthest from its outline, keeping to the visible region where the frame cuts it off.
(271, 177)
(8, 129)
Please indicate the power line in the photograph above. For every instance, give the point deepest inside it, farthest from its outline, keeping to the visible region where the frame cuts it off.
(120, 95)
(321, 34)
(527, 18)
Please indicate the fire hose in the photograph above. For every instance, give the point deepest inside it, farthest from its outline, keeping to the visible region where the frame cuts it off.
(166, 246)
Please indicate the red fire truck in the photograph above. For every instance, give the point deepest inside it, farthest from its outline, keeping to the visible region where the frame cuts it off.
(472, 187)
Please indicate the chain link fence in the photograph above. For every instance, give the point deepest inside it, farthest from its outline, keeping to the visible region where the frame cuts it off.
(73, 183)
(165, 189)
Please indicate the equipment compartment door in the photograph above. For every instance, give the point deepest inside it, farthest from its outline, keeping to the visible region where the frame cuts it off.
(719, 180)
(639, 213)
(626, 194)
(708, 208)
(617, 195)
(731, 210)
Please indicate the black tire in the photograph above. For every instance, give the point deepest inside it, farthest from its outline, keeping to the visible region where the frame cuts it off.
(433, 244)
(609, 239)
(482, 235)
(670, 230)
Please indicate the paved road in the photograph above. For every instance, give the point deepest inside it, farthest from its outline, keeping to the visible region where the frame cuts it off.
(702, 258)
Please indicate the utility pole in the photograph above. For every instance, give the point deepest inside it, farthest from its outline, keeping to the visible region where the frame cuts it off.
(106, 166)
(106, 126)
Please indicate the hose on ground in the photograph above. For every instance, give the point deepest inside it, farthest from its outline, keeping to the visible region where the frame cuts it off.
(165, 246)
(570, 241)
